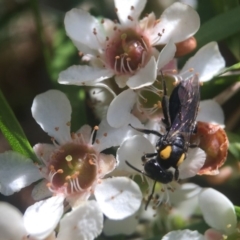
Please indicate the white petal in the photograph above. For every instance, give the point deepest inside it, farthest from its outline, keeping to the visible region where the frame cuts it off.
(185, 200)
(179, 22)
(43, 151)
(41, 218)
(83, 223)
(145, 76)
(11, 223)
(210, 111)
(121, 80)
(128, 226)
(86, 131)
(52, 111)
(186, 209)
(132, 150)
(218, 211)
(185, 192)
(124, 9)
(207, 62)
(41, 191)
(83, 75)
(119, 111)
(101, 99)
(88, 52)
(157, 126)
(118, 197)
(16, 172)
(79, 26)
(183, 235)
(148, 21)
(52, 236)
(192, 164)
(166, 55)
(112, 137)
(107, 164)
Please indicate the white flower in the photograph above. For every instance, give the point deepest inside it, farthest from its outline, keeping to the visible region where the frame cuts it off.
(126, 49)
(210, 111)
(137, 146)
(218, 212)
(207, 62)
(73, 169)
(183, 235)
(12, 224)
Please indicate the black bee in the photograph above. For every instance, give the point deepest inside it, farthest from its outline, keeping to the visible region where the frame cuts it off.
(180, 112)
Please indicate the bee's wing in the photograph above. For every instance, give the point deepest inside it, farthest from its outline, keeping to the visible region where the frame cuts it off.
(183, 107)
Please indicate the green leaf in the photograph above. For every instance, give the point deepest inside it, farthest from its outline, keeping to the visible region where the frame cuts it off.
(237, 210)
(219, 27)
(231, 68)
(64, 54)
(234, 144)
(219, 85)
(12, 130)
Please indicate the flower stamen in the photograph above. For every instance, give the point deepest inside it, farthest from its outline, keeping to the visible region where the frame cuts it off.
(145, 45)
(115, 64)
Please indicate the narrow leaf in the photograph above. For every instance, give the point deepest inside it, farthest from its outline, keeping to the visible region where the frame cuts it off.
(219, 27)
(12, 130)
(231, 68)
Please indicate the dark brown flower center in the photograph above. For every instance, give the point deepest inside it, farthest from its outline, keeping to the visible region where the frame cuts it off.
(73, 168)
(127, 52)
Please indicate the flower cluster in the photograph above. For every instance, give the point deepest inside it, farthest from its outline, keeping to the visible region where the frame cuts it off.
(78, 183)
(71, 169)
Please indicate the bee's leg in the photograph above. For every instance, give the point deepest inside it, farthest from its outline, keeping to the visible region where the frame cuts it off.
(176, 174)
(147, 131)
(148, 155)
(151, 195)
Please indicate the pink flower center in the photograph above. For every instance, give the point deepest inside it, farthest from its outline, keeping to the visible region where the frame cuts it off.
(73, 168)
(127, 51)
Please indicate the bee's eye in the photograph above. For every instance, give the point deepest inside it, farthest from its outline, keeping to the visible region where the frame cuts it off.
(166, 152)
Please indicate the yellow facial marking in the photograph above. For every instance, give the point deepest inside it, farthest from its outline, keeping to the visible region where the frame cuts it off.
(181, 159)
(166, 152)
